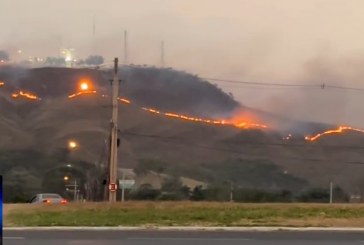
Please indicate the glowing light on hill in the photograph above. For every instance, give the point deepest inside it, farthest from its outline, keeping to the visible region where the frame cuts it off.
(81, 93)
(339, 130)
(72, 144)
(27, 95)
(84, 86)
(124, 100)
(238, 123)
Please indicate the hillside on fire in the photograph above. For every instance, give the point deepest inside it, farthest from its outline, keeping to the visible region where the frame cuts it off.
(171, 123)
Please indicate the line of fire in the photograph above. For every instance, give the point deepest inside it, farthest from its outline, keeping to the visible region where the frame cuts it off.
(85, 88)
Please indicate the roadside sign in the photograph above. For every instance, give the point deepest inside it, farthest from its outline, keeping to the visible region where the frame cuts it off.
(126, 183)
(113, 187)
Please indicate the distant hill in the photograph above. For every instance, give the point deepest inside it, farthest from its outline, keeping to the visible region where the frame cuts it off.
(165, 89)
(204, 152)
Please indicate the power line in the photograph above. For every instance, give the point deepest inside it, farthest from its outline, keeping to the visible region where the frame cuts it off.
(285, 85)
(262, 84)
(345, 88)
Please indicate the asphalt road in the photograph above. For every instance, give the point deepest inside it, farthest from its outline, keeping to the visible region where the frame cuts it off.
(179, 238)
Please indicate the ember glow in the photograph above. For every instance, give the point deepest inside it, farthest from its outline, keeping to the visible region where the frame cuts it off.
(339, 130)
(245, 119)
(238, 124)
(124, 100)
(84, 86)
(239, 120)
(25, 95)
(2, 83)
(81, 93)
(72, 144)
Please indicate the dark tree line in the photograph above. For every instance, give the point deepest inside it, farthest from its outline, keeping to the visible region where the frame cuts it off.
(4, 56)
(172, 189)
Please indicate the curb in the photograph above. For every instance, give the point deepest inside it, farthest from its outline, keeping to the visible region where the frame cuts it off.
(207, 229)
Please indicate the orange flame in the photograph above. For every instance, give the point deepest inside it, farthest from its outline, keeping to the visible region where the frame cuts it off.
(25, 95)
(124, 100)
(151, 110)
(81, 93)
(2, 83)
(245, 119)
(244, 125)
(340, 129)
(85, 84)
(236, 122)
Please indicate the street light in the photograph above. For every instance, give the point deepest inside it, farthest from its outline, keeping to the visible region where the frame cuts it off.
(84, 86)
(72, 144)
(74, 187)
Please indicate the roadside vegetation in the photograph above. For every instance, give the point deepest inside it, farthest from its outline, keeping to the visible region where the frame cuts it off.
(150, 214)
(26, 173)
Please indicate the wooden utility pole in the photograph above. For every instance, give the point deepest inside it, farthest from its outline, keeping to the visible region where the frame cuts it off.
(113, 166)
(331, 191)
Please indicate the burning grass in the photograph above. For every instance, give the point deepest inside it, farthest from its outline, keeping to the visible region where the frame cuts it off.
(243, 121)
(27, 95)
(340, 129)
(185, 214)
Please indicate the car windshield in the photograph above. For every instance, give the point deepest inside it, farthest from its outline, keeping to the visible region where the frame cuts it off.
(53, 196)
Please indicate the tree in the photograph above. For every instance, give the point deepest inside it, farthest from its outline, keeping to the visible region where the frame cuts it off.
(80, 62)
(20, 185)
(145, 192)
(94, 60)
(198, 194)
(61, 154)
(139, 169)
(185, 192)
(4, 56)
(339, 195)
(172, 184)
(315, 195)
(173, 189)
(55, 61)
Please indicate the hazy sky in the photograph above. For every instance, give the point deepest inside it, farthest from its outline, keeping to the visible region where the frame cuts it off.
(286, 41)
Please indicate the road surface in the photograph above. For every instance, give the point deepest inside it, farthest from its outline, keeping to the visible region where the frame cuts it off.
(179, 238)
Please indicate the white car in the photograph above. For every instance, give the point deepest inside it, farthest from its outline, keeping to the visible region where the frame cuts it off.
(49, 198)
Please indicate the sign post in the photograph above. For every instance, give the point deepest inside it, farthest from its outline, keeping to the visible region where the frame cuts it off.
(125, 184)
(113, 187)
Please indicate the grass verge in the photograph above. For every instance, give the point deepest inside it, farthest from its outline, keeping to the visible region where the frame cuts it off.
(185, 214)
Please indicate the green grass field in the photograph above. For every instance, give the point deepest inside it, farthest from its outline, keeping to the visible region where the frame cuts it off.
(185, 214)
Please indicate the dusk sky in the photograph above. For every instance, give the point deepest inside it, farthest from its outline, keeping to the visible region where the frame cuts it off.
(271, 41)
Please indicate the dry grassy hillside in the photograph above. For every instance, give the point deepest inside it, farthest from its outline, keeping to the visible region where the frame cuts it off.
(209, 153)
